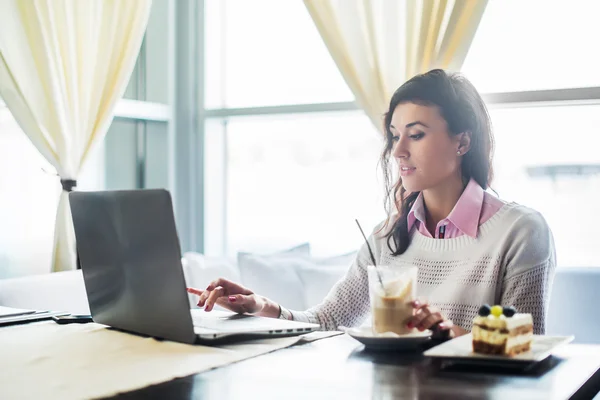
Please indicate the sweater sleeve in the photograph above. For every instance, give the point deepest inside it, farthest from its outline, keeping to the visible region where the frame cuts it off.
(530, 266)
(347, 303)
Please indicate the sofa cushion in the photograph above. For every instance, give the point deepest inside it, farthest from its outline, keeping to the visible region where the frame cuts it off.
(573, 304)
(318, 275)
(200, 270)
(317, 281)
(60, 291)
(274, 275)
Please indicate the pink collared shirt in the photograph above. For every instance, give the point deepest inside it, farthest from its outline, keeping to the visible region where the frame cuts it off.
(473, 208)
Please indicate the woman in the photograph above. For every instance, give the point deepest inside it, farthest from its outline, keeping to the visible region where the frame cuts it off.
(470, 247)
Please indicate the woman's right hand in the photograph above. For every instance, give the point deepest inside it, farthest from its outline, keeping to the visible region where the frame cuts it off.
(236, 298)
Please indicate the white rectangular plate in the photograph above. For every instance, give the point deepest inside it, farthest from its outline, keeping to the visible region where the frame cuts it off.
(461, 349)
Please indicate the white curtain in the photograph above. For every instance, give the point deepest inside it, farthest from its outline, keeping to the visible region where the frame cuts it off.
(379, 44)
(63, 66)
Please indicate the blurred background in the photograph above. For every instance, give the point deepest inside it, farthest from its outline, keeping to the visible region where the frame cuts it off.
(238, 108)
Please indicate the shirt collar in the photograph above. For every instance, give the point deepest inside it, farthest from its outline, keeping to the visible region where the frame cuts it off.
(465, 214)
(417, 212)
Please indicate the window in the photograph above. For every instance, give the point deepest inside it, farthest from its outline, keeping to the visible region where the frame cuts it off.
(301, 178)
(553, 136)
(120, 162)
(276, 180)
(264, 53)
(535, 45)
(546, 50)
(284, 173)
(545, 156)
(136, 155)
(150, 77)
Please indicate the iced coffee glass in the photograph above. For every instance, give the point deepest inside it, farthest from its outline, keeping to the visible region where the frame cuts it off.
(391, 306)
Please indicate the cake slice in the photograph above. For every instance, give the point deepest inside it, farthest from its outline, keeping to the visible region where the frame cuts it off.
(502, 331)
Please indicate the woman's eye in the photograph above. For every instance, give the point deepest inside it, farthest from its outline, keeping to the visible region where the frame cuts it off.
(395, 138)
(417, 136)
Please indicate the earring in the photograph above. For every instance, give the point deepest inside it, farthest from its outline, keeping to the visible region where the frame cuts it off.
(458, 153)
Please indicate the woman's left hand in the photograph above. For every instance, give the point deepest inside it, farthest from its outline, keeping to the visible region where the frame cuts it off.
(429, 317)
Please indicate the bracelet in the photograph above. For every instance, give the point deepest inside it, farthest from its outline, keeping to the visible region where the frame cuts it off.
(284, 314)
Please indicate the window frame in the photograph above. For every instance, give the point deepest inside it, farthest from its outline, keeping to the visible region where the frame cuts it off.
(517, 99)
(186, 116)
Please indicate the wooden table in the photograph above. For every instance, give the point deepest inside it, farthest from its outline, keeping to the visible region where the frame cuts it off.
(339, 367)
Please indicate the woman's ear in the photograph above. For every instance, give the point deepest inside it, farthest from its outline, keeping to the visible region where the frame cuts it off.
(464, 142)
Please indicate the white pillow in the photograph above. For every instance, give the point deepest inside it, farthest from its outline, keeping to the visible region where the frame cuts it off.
(317, 281)
(342, 259)
(320, 274)
(200, 270)
(274, 275)
(60, 291)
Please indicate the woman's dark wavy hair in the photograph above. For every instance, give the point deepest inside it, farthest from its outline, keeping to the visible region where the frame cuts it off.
(463, 109)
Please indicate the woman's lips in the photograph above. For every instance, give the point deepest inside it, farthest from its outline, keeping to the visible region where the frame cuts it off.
(406, 171)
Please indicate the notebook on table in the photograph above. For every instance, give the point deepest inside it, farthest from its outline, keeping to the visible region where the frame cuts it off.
(12, 316)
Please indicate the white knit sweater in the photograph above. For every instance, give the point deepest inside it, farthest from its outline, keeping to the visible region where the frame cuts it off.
(511, 263)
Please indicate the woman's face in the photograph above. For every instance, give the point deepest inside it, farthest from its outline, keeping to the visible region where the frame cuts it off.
(423, 147)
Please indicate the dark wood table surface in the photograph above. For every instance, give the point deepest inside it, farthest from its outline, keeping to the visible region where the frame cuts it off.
(339, 367)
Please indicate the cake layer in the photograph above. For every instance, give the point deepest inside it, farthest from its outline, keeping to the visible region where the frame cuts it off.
(500, 336)
(513, 332)
(500, 349)
(502, 322)
(500, 330)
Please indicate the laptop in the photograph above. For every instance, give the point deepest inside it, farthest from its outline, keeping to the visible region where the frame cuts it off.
(130, 256)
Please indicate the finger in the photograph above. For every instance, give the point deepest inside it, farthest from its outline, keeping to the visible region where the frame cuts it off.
(419, 303)
(203, 297)
(213, 297)
(430, 321)
(195, 291)
(446, 325)
(443, 330)
(237, 299)
(218, 282)
(424, 313)
(248, 303)
(419, 316)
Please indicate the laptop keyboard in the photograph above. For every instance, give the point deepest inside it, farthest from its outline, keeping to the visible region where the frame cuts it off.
(240, 323)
